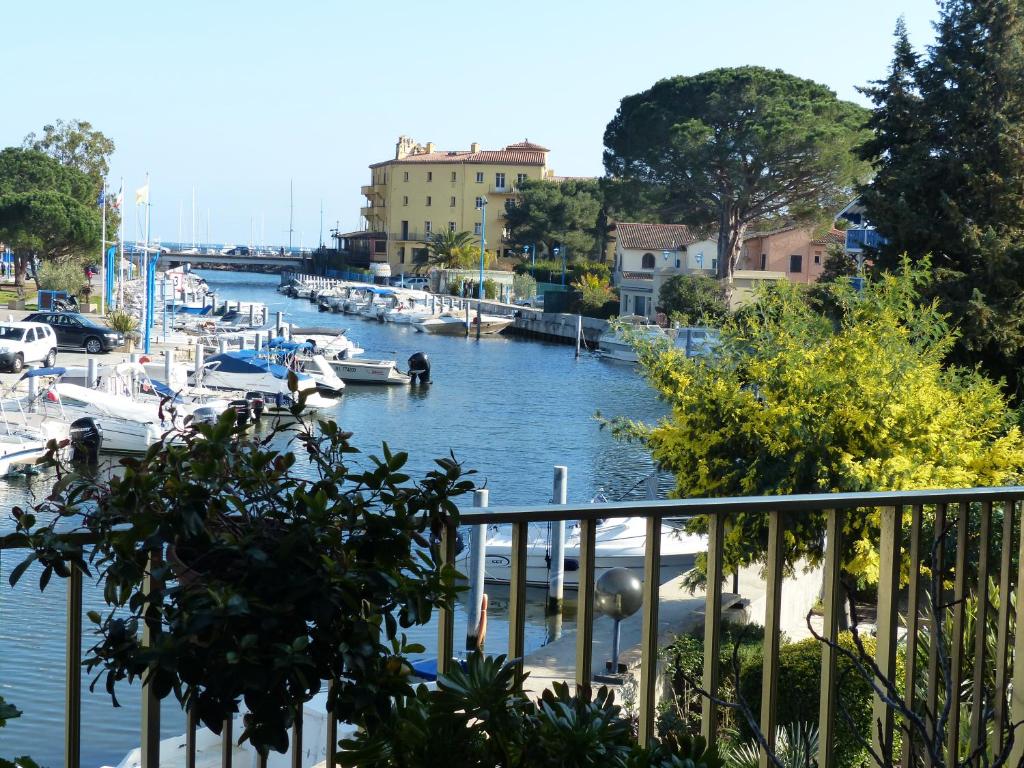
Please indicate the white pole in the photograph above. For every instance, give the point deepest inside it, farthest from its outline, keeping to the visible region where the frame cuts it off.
(556, 580)
(200, 354)
(90, 373)
(579, 333)
(168, 365)
(103, 256)
(145, 262)
(120, 262)
(478, 534)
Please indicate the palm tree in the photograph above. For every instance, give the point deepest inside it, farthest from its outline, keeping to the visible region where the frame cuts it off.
(448, 248)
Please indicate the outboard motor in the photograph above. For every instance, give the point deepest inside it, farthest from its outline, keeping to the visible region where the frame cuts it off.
(241, 409)
(256, 404)
(419, 366)
(86, 441)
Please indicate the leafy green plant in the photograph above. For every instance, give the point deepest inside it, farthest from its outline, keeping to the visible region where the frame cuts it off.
(524, 286)
(259, 576)
(455, 286)
(796, 746)
(490, 288)
(693, 299)
(67, 275)
(123, 322)
(480, 716)
(594, 291)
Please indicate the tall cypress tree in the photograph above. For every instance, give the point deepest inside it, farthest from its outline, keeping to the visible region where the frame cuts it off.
(949, 157)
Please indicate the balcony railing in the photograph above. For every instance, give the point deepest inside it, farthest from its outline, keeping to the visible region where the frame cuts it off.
(371, 189)
(636, 275)
(410, 236)
(858, 239)
(966, 512)
(508, 189)
(371, 210)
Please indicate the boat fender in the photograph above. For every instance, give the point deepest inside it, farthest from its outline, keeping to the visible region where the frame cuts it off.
(571, 564)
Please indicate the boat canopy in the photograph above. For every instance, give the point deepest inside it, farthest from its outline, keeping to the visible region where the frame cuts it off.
(246, 361)
(316, 330)
(382, 291)
(35, 372)
(284, 345)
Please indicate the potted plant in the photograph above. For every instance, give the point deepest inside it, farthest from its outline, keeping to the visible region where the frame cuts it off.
(268, 574)
(126, 324)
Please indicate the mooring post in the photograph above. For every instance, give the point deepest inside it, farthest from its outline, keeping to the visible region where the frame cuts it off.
(33, 392)
(252, 315)
(579, 333)
(477, 551)
(222, 345)
(556, 577)
(168, 367)
(200, 355)
(90, 372)
(257, 341)
(479, 318)
(280, 321)
(468, 323)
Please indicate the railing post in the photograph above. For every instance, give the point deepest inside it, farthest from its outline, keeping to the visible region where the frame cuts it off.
(585, 608)
(556, 581)
(978, 702)
(649, 633)
(885, 647)
(913, 620)
(770, 680)
(297, 739)
(517, 592)
(446, 616)
(712, 624)
(1003, 630)
(830, 597)
(935, 621)
(73, 679)
(956, 653)
(227, 743)
(150, 742)
(332, 728)
(1017, 688)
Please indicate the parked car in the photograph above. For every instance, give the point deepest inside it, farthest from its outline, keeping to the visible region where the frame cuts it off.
(26, 342)
(78, 331)
(537, 302)
(414, 283)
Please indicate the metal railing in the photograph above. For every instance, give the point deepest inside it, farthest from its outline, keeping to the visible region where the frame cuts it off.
(973, 505)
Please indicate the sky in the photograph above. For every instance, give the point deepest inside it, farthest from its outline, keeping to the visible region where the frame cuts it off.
(240, 101)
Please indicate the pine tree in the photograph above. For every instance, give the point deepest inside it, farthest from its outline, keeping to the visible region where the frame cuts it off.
(949, 149)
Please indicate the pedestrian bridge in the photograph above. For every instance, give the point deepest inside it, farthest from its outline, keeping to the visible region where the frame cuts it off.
(170, 258)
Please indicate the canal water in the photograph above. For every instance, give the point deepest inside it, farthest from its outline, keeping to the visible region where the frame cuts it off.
(509, 408)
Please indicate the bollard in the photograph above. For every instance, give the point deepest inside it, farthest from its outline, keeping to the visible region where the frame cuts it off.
(90, 373)
(556, 577)
(257, 342)
(270, 338)
(168, 366)
(222, 345)
(467, 318)
(200, 361)
(33, 392)
(479, 319)
(280, 321)
(477, 548)
(133, 357)
(241, 341)
(579, 333)
(252, 315)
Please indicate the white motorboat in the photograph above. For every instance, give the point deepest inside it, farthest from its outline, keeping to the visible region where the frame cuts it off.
(357, 370)
(450, 324)
(618, 343)
(125, 426)
(409, 310)
(620, 543)
(246, 370)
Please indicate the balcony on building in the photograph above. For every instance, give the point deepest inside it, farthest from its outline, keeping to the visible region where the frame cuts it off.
(508, 189)
(859, 239)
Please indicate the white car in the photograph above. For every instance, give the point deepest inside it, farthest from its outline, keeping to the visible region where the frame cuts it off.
(415, 283)
(22, 343)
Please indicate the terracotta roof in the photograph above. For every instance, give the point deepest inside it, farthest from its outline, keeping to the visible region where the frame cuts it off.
(836, 236)
(514, 154)
(654, 237)
(751, 234)
(529, 145)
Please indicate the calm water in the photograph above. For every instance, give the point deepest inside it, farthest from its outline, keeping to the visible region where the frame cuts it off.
(510, 409)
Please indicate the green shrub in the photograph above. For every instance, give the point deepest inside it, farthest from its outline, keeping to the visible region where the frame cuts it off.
(490, 289)
(123, 322)
(524, 286)
(455, 286)
(63, 276)
(800, 687)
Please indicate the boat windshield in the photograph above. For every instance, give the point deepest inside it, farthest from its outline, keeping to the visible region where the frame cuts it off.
(8, 333)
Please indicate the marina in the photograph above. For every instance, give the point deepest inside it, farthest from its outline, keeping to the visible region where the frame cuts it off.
(511, 408)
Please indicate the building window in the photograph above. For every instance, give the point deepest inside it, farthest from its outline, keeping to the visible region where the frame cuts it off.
(451, 226)
(499, 180)
(647, 262)
(401, 254)
(476, 229)
(521, 177)
(380, 246)
(479, 203)
(429, 199)
(479, 177)
(796, 263)
(453, 176)
(764, 261)
(405, 176)
(451, 202)
(430, 175)
(426, 227)
(817, 257)
(405, 199)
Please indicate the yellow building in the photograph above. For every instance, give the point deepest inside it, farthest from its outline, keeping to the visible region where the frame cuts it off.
(425, 190)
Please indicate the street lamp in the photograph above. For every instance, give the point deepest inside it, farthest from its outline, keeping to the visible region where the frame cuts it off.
(483, 243)
(562, 250)
(532, 250)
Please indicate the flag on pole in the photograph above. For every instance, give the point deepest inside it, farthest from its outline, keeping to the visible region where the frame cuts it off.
(102, 198)
(118, 200)
(142, 194)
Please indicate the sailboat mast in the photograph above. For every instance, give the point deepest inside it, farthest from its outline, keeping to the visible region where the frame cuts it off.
(291, 211)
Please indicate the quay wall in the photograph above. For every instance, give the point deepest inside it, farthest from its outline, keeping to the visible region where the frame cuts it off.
(558, 327)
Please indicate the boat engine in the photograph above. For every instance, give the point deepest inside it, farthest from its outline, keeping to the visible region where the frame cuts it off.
(241, 409)
(204, 415)
(256, 404)
(419, 366)
(86, 441)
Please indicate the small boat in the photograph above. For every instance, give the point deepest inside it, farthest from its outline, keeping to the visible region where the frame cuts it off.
(620, 543)
(303, 357)
(449, 324)
(617, 343)
(246, 370)
(357, 370)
